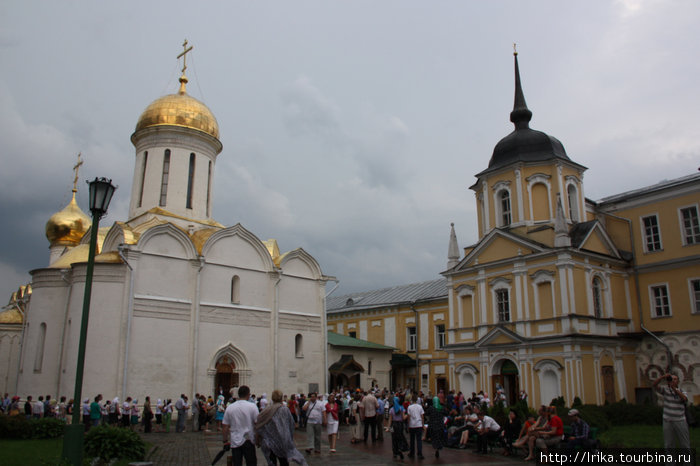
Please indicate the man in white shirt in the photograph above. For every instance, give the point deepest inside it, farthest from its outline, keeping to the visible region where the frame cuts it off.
(416, 420)
(238, 431)
(314, 409)
(488, 429)
(368, 412)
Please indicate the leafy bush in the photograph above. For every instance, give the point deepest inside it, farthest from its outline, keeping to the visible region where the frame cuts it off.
(622, 413)
(108, 443)
(47, 428)
(595, 416)
(15, 427)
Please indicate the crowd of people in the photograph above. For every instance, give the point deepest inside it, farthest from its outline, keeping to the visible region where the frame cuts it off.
(246, 421)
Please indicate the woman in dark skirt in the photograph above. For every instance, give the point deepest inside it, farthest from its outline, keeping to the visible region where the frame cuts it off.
(397, 416)
(436, 425)
(509, 433)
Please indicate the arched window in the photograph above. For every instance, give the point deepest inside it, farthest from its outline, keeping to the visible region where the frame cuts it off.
(236, 289)
(504, 199)
(299, 345)
(572, 196)
(164, 178)
(190, 182)
(597, 297)
(39, 358)
(209, 189)
(143, 177)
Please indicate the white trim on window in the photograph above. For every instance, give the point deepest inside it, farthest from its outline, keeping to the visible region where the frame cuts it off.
(411, 339)
(694, 294)
(502, 285)
(656, 300)
(681, 223)
(645, 237)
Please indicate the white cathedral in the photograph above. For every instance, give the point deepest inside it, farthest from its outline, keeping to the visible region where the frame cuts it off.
(180, 303)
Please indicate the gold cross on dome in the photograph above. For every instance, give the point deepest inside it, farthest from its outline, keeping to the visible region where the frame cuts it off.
(184, 55)
(75, 169)
(515, 50)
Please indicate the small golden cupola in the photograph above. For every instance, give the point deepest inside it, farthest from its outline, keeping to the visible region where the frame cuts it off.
(67, 227)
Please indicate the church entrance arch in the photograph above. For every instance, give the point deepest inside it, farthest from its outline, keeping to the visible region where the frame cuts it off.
(505, 378)
(226, 376)
(228, 369)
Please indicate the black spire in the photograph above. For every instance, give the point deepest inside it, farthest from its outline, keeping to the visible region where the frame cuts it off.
(520, 115)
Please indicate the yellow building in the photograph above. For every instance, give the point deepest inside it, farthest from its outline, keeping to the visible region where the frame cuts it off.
(561, 295)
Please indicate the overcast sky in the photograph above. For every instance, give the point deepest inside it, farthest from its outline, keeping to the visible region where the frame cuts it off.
(352, 129)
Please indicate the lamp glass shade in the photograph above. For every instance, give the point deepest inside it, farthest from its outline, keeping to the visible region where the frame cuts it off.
(101, 191)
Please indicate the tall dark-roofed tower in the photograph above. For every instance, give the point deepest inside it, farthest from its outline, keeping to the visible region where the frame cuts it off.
(528, 171)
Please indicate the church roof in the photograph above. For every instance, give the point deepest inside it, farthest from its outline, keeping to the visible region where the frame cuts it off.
(423, 291)
(336, 339)
(524, 144)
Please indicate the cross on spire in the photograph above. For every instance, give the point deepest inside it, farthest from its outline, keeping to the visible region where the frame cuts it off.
(75, 169)
(184, 55)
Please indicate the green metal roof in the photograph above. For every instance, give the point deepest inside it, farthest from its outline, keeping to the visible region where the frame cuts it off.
(336, 339)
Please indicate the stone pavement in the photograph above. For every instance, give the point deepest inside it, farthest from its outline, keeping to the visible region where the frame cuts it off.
(199, 448)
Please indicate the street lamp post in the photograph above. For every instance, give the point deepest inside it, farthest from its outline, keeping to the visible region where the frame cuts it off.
(101, 191)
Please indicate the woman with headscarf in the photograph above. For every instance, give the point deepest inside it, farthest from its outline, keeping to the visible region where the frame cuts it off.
(274, 434)
(397, 416)
(436, 425)
(159, 415)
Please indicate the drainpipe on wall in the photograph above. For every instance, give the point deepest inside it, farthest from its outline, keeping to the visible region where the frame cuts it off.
(325, 334)
(275, 326)
(195, 353)
(419, 377)
(635, 274)
(129, 313)
(63, 333)
(21, 342)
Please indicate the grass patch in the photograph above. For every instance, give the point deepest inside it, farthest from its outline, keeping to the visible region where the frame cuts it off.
(44, 452)
(641, 436)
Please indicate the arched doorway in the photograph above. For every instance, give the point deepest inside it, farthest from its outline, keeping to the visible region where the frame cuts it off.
(506, 377)
(226, 376)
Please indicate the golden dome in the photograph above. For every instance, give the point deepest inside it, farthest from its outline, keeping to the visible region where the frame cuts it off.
(179, 110)
(68, 226)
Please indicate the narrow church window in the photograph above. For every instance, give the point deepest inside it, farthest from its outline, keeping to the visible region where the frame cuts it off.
(352, 334)
(503, 304)
(299, 345)
(39, 358)
(236, 289)
(143, 177)
(691, 225)
(208, 189)
(505, 208)
(573, 202)
(190, 182)
(597, 298)
(369, 367)
(164, 179)
(652, 235)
